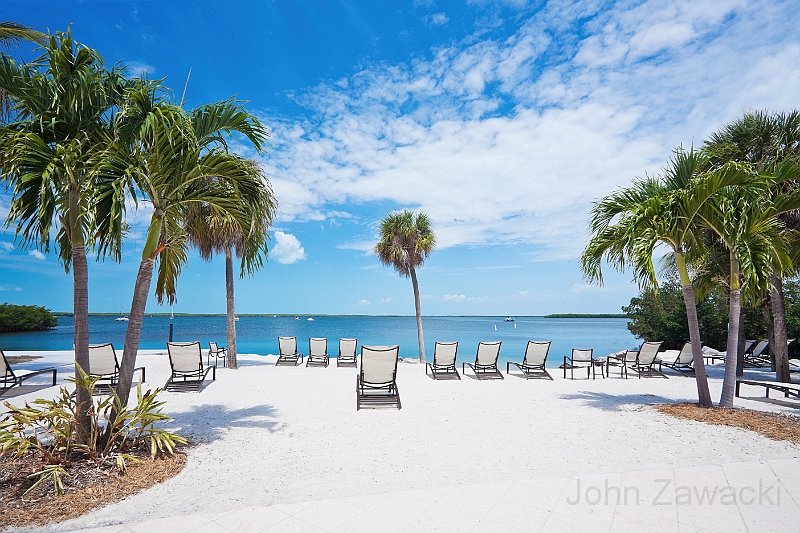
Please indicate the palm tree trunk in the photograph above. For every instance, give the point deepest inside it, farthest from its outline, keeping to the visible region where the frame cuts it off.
(729, 381)
(779, 350)
(134, 331)
(766, 312)
(80, 296)
(419, 316)
(230, 325)
(741, 341)
(703, 394)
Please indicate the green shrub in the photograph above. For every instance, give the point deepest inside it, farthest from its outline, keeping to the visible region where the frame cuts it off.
(25, 318)
(51, 429)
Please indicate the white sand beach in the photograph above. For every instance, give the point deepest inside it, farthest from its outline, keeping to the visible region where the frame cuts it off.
(275, 435)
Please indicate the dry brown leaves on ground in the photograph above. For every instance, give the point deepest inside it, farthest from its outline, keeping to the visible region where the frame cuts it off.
(87, 488)
(776, 426)
(17, 359)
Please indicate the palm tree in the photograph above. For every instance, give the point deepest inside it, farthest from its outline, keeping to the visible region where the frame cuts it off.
(746, 220)
(212, 231)
(176, 160)
(627, 226)
(61, 102)
(406, 240)
(764, 140)
(13, 34)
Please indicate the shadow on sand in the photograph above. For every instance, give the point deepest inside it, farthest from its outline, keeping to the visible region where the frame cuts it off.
(208, 423)
(613, 402)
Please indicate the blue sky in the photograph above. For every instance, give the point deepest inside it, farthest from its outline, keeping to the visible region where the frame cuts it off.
(503, 120)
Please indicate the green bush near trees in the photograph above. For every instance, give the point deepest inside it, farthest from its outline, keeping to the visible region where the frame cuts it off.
(660, 315)
(25, 318)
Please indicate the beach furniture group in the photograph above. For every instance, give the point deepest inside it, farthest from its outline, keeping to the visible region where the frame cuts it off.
(10, 378)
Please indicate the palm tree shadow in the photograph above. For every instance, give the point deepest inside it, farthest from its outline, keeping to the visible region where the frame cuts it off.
(613, 402)
(209, 423)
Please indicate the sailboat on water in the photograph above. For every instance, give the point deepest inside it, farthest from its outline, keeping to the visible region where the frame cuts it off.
(121, 317)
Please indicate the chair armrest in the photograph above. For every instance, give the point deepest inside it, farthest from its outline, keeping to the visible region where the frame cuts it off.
(143, 379)
(34, 373)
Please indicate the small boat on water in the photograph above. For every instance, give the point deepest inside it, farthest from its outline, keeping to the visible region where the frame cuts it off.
(121, 317)
(236, 318)
(509, 319)
(310, 319)
(297, 318)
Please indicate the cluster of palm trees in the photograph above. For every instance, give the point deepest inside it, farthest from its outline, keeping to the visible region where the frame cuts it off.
(78, 139)
(727, 214)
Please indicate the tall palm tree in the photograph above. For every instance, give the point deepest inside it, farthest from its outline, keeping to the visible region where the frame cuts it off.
(176, 160)
(213, 231)
(764, 140)
(746, 220)
(13, 34)
(61, 104)
(406, 240)
(627, 226)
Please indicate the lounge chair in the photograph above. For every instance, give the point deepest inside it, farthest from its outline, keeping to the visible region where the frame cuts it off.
(684, 363)
(216, 352)
(376, 383)
(186, 360)
(757, 358)
(580, 359)
(347, 353)
(10, 379)
(317, 352)
(287, 352)
(485, 366)
(646, 361)
(532, 365)
(444, 361)
(103, 364)
(628, 357)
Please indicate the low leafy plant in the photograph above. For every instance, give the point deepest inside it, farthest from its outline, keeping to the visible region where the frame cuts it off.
(50, 428)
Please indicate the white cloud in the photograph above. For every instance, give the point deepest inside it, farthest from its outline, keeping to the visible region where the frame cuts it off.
(387, 300)
(37, 254)
(287, 249)
(455, 297)
(6, 247)
(138, 70)
(580, 118)
(363, 302)
(18, 289)
(439, 19)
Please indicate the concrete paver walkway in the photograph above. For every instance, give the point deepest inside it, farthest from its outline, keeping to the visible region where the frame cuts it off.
(748, 497)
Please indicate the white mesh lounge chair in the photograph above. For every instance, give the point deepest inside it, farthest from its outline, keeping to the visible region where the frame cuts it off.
(317, 352)
(216, 352)
(623, 360)
(376, 383)
(645, 364)
(287, 352)
(347, 352)
(444, 361)
(757, 358)
(485, 366)
(580, 359)
(684, 364)
(532, 365)
(186, 360)
(10, 379)
(103, 364)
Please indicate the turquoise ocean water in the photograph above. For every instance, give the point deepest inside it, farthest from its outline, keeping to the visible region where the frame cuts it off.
(259, 334)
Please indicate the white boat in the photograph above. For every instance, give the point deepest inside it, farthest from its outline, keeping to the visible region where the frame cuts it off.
(509, 319)
(310, 319)
(297, 318)
(121, 319)
(236, 318)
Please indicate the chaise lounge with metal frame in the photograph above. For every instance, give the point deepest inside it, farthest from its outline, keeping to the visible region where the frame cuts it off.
(317, 352)
(376, 382)
(532, 365)
(646, 362)
(347, 353)
(684, 363)
(287, 352)
(485, 366)
(10, 379)
(103, 364)
(216, 352)
(757, 358)
(623, 360)
(188, 373)
(581, 358)
(444, 361)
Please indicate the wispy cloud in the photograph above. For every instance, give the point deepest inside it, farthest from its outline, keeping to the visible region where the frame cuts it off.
(37, 254)
(363, 302)
(6, 247)
(510, 140)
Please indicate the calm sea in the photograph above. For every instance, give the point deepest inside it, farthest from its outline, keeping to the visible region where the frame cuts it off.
(260, 334)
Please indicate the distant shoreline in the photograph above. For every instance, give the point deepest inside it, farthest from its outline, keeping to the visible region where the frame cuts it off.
(557, 315)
